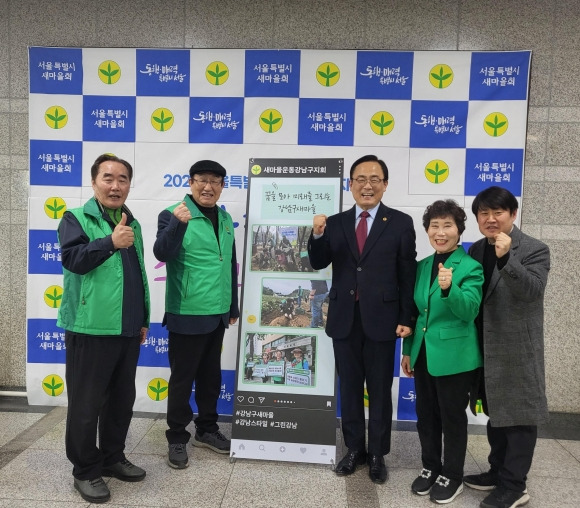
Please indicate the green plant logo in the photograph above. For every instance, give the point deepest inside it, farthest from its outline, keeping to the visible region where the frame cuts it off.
(382, 123)
(54, 207)
(56, 117)
(495, 124)
(441, 76)
(217, 73)
(328, 74)
(109, 72)
(162, 119)
(366, 398)
(53, 296)
(256, 169)
(53, 385)
(157, 389)
(436, 171)
(271, 120)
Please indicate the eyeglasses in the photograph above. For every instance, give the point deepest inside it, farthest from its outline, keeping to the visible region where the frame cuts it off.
(202, 183)
(362, 181)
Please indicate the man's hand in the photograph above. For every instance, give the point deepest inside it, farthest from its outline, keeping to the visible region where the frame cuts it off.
(233, 320)
(403, 331)
(445, 276)
(143, 334)
(123, 236)
(503, 243)
(182, 212)
(319, 224)
(406, 366)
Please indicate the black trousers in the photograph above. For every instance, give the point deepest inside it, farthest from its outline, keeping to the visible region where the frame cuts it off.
(358, 359)
(441, 418)
(193, 358)
(100, 378)
(511, 453)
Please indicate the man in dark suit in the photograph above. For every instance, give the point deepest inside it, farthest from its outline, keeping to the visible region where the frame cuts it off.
(511, 332)
(371, 304)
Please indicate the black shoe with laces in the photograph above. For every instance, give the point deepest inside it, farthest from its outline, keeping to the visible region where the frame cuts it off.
(505, 498)
(481, 481)
(445, 490)
(93, 491)
(215, 441)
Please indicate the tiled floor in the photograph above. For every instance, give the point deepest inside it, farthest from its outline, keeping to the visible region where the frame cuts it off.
(34, 471)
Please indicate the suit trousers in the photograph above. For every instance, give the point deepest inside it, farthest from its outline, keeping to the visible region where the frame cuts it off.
(358, 359)
(193, 358)
(100, 378)
(511, 452)
(441, 418)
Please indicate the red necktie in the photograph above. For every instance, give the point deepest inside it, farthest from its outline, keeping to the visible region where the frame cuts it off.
(361, 231)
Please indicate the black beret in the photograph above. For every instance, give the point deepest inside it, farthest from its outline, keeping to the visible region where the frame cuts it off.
(206, 166)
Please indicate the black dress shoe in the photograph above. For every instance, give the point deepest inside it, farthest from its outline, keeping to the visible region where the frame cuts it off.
(377, 469)
(349, 462)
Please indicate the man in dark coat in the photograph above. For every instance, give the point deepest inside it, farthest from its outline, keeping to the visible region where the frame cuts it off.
(371, 304)
(511, 333)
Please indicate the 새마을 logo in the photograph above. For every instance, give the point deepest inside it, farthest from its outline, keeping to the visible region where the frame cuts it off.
(109, 72)
(56, 117)
(271, 120)
(217, 73)
(382, 123)
(53, 385)
(495, 124)
(157, 389)
(54, 207)
(162, 119)
(53, 296)
(328, 74)
(441, 76)
(436, 171)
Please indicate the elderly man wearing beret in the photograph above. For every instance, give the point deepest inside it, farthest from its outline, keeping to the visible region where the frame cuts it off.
(195, 238)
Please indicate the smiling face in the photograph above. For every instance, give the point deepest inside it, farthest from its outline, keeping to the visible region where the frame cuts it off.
(491, 222)
(278, 355)
(206, 188)
(111, 185)
(368, 195)
(443, 234)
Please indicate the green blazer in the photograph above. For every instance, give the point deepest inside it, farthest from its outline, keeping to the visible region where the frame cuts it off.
(447, 324)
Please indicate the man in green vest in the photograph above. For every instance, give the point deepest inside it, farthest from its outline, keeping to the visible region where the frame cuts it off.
(105, 315)
(195, 238)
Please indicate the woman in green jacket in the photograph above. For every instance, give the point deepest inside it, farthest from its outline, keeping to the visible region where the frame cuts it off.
(443, 353)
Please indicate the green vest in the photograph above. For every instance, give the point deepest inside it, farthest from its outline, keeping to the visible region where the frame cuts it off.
(92, 303)
(199, 279)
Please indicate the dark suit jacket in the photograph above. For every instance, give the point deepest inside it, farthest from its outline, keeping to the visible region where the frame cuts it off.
(384, 274)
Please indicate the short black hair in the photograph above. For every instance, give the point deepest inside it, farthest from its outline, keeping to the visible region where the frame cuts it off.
(447, 208)
(109, 157)
(370, 158)
(494, 198)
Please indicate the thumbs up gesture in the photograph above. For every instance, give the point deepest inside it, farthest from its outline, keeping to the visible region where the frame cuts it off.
(123, 236)
(445, 276)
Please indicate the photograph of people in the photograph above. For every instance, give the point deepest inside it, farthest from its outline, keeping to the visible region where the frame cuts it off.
(298, 362)
(280, 249)
(443, 352)
(284, 303)
(279, 359)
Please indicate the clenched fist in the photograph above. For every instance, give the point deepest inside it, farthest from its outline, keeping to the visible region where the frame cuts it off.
(319, 224)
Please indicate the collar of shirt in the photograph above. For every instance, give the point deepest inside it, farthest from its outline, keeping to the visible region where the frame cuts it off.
(371, 218)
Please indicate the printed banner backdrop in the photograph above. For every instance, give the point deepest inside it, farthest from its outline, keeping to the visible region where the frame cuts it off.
(448, 124)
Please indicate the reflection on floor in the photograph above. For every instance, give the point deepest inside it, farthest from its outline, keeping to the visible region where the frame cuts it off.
(34, 470)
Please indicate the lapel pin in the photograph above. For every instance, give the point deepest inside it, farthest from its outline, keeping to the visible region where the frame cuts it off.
(384, 219)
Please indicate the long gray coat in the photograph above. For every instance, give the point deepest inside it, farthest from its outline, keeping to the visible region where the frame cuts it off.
(513, 333)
